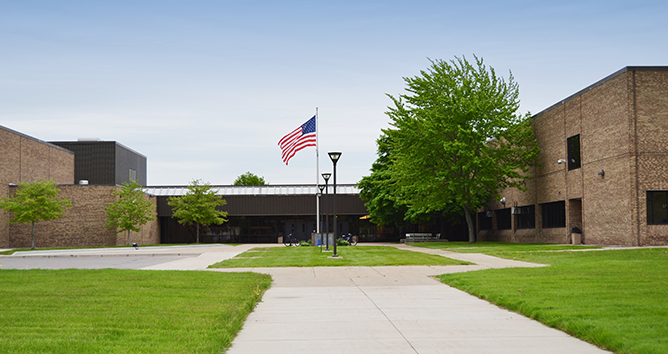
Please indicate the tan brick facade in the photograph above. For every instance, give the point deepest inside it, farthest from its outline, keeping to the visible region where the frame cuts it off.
(26, 159)
(84, 223)
(622, 122)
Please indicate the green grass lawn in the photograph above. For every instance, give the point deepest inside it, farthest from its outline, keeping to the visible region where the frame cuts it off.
(616, 299)
(124, 311)
(494, 248)
(351, 256)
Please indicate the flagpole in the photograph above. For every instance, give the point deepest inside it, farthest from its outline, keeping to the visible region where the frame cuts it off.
(317, 174)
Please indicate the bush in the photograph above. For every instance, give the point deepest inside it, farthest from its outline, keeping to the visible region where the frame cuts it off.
(342, 242)
(305, 243)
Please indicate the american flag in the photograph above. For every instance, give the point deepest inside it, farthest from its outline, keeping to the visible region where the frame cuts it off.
(302, 137)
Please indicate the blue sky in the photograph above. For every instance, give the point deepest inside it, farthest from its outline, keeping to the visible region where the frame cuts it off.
(205, 89)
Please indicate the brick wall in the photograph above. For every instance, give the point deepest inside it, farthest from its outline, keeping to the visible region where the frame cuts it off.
(84, 223)
(651, 103)
(26, 159)
(628, 108)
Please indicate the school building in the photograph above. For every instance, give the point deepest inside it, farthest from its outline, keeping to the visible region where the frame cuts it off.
(602, 175)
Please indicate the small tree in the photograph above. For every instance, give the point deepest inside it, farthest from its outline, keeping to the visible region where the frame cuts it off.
(33, 202)
(198, 206)
(249, 179)
(130, 210)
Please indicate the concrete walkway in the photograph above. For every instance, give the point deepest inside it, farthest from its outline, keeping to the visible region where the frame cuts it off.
(390, 310)
(356, 309)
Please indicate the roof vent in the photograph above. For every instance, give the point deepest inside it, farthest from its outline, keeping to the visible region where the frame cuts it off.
(83, 182)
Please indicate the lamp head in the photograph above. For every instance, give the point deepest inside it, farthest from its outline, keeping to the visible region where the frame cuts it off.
(326, 176)
(560, 161)
(334, 156)
(321, 187)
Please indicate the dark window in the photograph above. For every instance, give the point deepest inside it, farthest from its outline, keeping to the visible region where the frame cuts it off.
(526, 217)
(657, 213)
(554, 214)
(574, 152)
(485, 219)
(503, 219)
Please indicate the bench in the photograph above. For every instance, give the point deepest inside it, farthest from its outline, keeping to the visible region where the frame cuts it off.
(422, 237)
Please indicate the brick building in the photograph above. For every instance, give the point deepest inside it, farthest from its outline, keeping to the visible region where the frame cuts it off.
(26, 159)
(603, 168)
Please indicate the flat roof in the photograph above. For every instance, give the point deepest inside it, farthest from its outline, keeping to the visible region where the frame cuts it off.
(602, 81)
(286, 189)
(91, 142)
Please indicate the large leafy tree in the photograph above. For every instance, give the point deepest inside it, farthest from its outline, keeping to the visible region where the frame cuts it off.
(198, 206)
(457, 138)
(379, 191)
(130, 210)
(34, 202)
(249, 179)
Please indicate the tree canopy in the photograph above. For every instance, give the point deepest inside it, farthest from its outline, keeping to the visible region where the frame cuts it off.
(34, 202)
(456, 138)
(249, 179)
(198, 206)
(379, 191)
(130, 210)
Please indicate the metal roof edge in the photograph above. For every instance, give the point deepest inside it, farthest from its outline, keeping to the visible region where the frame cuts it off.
(35, 139)
(602, 81)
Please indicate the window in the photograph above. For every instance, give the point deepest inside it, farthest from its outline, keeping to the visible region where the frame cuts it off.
(574, 152)
(657, 213)
(526, 217)
(554, 214)
(485, 220)
(133, 175)
(503, 219)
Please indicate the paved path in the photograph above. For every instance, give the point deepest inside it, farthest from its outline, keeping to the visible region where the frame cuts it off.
(348, 309)
(196, 257)
(390, 310)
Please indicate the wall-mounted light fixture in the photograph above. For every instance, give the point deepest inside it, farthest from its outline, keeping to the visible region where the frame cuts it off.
(560, 161)
(503, 201)
(601, 173)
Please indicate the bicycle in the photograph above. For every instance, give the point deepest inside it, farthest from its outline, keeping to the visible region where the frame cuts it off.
(290, 241)
(352, 240)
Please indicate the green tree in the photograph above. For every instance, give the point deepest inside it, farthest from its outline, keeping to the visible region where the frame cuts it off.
(457, 138)
(198, 206)
(34, 202)
(130, 210)
(379, 191)
(249, 179)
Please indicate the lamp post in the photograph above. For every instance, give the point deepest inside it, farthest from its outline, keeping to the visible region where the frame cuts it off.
(321, 187)
(334, 156)
(326, 176)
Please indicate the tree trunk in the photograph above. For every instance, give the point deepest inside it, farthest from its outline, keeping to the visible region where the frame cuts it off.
(33, 236)
(469, 222)
(128, 237)
(197, 232)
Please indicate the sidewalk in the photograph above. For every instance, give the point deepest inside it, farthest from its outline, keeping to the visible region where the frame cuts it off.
(390, 310)
(358, 309)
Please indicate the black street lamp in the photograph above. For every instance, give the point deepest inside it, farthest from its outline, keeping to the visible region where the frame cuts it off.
(321, 187)
(334, 156)
(326, 176)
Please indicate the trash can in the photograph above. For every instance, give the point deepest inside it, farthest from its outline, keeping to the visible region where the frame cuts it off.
(576, 236)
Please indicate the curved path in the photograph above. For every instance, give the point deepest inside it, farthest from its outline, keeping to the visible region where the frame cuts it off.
(348, 309)
(391, 310)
